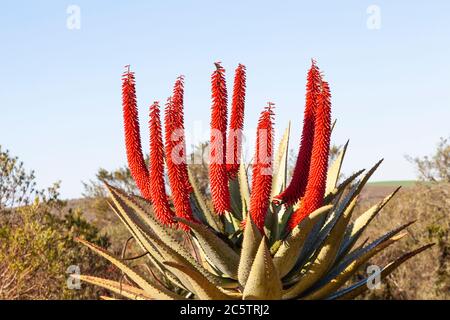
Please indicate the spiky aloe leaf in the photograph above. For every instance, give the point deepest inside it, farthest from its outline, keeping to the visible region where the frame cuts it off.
(122, 289)
(275, 213)
(263, 281)
(244, 188)
(283, 217)
(341, 188)
(231, 224)
(356, 254)
(142, 234)
(149, 224)
(280, 164)
(319, 232)
(333, 125)
(162, 237)
(153, 290)
(351, 269)
(325, 257)
(335, 170)
(289, 251)
(251, 241)
(220, 253)
(201, 206)
(358, 288)
(345, 269)
(203, 288)
(123, 213)
(359, 225)
(128, 218)
(235, 198)
(271, 225)
(342, 206)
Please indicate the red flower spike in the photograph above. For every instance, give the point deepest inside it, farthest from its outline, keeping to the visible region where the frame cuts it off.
(234, 142)
(175, 162)
(135, 156)
(296, 188)
(315, 189)
(178, 125)
(218, 175)
(159, 198)
(262, 169)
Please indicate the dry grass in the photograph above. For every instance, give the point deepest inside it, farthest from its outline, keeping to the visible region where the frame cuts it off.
(426, 276)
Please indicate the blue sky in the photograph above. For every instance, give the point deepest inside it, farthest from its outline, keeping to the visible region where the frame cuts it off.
(60, 109)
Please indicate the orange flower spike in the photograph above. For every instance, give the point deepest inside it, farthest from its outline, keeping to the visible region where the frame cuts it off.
(262, 169)
(234, 142)
(135, 156)
(175, 163)
(296, 188)
(159, 199)
(218, 175)
(315, 190)
(178, 123)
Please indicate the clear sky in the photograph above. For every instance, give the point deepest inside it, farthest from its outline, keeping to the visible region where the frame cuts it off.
(60, 97)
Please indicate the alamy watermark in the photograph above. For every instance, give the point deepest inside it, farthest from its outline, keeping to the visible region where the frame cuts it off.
(373, 21)
(73, 281)
(374, 279)
(73, 21)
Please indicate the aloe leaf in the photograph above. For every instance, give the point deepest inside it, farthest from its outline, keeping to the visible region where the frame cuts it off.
(271, 223)
(161, 235)
(150, 225)
(280, 165)
(325, 257)
(342, 205)
(143, 235)
(231, 224)
(124, 213)
(205, 261)
(122, 289)
(340, 279)
(335, 170)
(340, 189)
(203, 288)
(289, 251)
(244, 188)
(313, 241)
(206, 215)
(251, 241)
(358, 288)
(235, 198)
(333, 125)
(135, 226)
(359, 225)
(349, 266)
(153, 290)
(220, 253)
(263, 281)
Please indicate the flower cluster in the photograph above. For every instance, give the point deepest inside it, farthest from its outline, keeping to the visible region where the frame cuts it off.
(306, 188)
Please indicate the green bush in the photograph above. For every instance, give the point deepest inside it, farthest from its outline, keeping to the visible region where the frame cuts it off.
(37, 239)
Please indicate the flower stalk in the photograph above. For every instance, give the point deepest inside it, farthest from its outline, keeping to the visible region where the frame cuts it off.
(135, 157)
(218, 175)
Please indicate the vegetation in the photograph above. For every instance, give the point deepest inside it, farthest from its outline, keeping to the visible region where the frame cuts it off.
(437, 167)
(271, 241)
(427, 202)
(37, 239)
(318, 256)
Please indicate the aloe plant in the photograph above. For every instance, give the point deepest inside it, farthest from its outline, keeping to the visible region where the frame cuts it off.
(261, 240)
